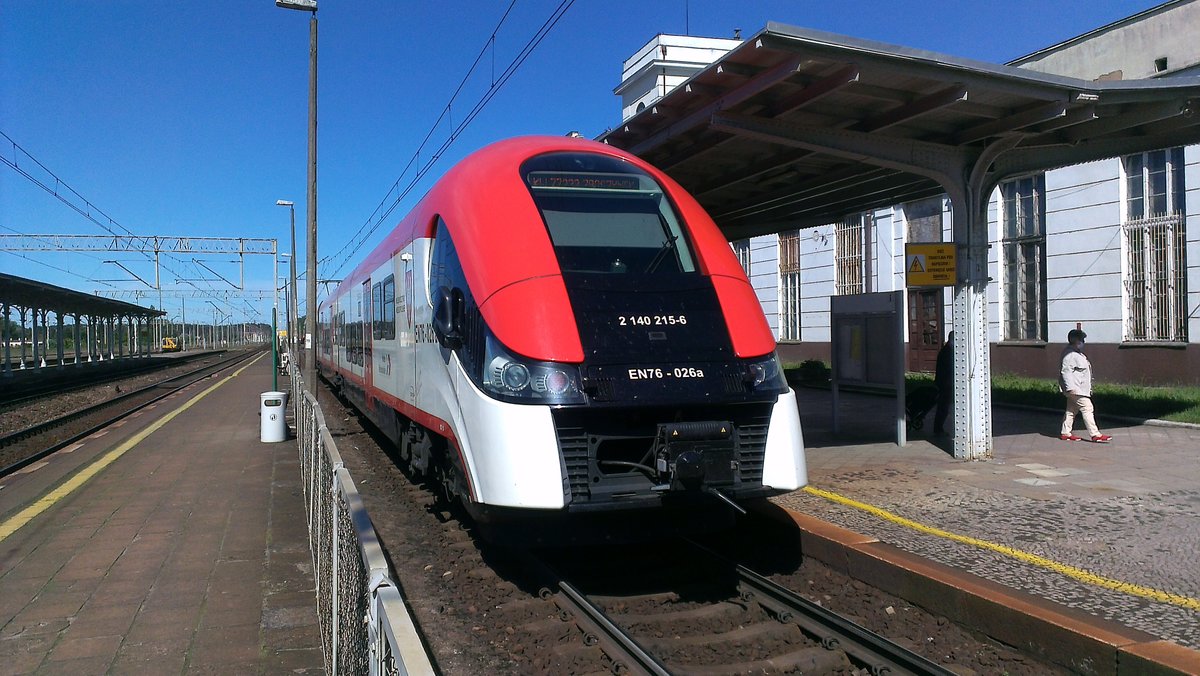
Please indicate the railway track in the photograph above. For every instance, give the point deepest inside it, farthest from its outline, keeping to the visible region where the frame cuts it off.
(33, 390)
(698, 612)
(488, 609)
(28, 445)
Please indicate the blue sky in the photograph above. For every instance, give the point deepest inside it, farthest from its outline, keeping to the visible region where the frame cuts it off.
(190, 118)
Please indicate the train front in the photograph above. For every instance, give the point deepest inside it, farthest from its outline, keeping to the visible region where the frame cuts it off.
(679, 400)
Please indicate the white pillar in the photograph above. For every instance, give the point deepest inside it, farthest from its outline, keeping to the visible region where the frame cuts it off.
(972, 350)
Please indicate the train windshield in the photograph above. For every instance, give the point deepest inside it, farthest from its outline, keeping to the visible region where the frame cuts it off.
(607, 216)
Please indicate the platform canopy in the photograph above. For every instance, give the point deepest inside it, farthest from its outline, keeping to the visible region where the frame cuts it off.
(797, 128)
(28, 293)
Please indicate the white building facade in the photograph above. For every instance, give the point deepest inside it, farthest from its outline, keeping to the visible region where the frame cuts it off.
(1112, 247)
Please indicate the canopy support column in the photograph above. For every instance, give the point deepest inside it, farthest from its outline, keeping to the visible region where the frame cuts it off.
(58, 335)
(7, 341)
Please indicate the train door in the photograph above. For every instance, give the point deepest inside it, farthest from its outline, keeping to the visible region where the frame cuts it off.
(367, 327)
(408, 345)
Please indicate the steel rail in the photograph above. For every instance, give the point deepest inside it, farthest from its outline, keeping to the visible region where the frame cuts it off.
(627, 655)
(40, 428)
(881, 655)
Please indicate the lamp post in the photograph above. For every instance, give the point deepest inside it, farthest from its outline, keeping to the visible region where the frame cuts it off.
(291, 303)
(275, 319)
(287, 299)
(310, 353)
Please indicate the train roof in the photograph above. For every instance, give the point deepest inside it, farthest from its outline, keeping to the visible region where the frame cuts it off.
(509, 261)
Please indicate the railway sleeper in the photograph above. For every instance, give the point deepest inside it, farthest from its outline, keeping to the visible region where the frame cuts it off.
(745, 635)
(803, 661)
(715, 610)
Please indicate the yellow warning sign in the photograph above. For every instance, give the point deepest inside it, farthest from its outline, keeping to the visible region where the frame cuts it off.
(931, 264)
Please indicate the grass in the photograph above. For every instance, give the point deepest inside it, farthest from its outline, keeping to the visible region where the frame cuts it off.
(1176, 403)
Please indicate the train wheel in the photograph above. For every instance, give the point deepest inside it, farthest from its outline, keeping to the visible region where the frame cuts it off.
(451, 476)
(420, 448)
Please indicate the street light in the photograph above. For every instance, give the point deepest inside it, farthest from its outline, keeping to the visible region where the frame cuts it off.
(291, 309)
(287, 300)
(310, 353)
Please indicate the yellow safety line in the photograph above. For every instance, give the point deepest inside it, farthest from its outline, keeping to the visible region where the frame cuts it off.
(47, 501)
(1033, 559)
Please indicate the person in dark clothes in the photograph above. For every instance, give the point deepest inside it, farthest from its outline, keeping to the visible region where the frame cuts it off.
(943, 380)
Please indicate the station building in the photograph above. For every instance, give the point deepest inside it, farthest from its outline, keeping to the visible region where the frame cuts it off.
(1110, 246)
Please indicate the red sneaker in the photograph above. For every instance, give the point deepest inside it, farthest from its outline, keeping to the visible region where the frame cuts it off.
(1069, 437)
(1101, 439)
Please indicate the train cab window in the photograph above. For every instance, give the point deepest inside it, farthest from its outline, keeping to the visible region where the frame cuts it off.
(445, 271)
(607, 216)
(444, 268)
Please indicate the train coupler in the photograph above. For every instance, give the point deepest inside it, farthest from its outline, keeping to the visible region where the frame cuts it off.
(696, 455)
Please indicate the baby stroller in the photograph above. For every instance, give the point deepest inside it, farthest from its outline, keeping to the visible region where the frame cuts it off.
(918, 404)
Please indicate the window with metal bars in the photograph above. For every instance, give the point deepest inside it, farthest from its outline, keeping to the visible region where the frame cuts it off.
(1154, 242)
(851, 243)
(789, 285)
(741, 248)
(1024, 250)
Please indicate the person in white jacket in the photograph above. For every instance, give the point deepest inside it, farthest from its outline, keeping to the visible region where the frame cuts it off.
(1075, 381)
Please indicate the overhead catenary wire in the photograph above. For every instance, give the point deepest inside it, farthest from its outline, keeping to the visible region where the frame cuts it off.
(356, 241)
(58, 182)
(87, 209)
(55, 267)
(445, 112)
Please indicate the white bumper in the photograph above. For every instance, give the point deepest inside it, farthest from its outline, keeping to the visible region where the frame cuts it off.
(512, 451)
(784, 467)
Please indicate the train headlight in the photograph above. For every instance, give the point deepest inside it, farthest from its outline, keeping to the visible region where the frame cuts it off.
(756, 374)
(764, 375)
(515, 376)
(512, 378)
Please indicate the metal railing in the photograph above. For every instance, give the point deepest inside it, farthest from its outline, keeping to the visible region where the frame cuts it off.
(365, 625)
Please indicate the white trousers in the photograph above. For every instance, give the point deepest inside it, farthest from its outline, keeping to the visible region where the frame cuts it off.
(1083, 406)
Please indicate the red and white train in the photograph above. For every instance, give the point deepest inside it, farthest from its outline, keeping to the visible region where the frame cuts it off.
(558, 329)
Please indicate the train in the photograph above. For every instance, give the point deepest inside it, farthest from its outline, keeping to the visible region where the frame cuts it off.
(560, 336)
(170, 344)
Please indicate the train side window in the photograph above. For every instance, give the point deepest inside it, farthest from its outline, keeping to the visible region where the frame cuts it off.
(388, 308)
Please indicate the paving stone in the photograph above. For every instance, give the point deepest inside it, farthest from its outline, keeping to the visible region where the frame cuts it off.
(161, 562)
(1128, 512)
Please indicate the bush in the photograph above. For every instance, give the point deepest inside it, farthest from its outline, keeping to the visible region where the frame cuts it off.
(813, 371)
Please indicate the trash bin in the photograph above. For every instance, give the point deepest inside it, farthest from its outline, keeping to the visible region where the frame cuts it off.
(273, 415)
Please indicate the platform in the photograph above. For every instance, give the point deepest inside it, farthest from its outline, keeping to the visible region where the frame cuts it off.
(186, 551)
(55, 376)
(175, 542)
(1107, 531)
